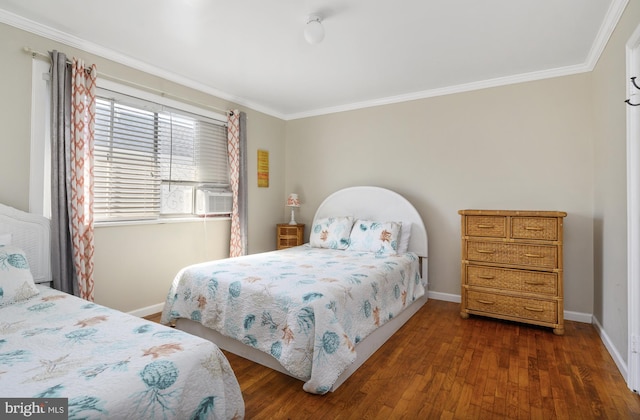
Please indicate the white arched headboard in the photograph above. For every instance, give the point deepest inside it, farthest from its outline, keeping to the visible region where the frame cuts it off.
(30, 232)
(376, 203)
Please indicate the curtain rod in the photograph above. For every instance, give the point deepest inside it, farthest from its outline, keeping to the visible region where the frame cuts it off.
(38, 54)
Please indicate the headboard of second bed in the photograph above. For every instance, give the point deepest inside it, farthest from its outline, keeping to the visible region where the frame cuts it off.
(376, 203)
(30, 232)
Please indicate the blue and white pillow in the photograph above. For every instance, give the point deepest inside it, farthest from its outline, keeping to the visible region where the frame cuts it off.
(374, 236)
(16, 280)
(331, 232)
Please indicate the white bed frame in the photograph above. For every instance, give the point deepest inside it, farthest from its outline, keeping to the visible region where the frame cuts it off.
(30, 232)
(373, 203)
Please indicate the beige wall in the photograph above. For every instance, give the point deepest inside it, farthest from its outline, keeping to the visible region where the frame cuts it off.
(553, 144)
(136, 264)
(525, 146)
(15, 120)
(610, 183)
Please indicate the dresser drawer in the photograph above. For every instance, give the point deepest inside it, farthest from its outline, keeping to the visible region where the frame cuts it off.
(487, 226)
(539, 228)
(516, 307)
(535, 256)
(516, 280)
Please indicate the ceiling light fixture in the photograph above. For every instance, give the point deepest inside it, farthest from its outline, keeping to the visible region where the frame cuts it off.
(314, 31)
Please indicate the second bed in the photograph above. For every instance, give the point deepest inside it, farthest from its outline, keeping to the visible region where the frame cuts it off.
(317, 311)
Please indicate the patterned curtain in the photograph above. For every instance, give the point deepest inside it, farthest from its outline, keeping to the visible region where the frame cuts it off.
(237, 144)
(72, 133)
(81, 157)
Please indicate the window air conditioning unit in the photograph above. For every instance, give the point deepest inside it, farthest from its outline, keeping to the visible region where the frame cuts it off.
(212, 202)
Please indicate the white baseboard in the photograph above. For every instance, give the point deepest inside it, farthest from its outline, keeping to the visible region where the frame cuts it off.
(568, 315)
(149, 310)
(578, 317)
(447, 297)
(154, 309)
(613, 351)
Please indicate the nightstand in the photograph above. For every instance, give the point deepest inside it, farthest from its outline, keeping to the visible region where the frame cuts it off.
(290, 235)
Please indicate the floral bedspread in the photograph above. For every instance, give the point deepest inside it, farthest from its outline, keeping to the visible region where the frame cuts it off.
(304, 306)
(109, 364)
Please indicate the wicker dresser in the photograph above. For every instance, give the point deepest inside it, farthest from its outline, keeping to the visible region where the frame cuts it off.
(512, 266)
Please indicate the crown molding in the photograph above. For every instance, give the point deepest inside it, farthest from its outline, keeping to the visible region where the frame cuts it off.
(109, 54)
(449, 90)
(614, 13)
(616, 9)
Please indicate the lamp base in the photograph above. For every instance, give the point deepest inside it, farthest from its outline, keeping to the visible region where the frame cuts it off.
(293, 218)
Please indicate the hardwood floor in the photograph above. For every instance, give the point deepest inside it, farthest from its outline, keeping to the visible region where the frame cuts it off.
(439, 366)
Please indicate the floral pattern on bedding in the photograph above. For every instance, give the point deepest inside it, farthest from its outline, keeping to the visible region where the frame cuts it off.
(110, 364)
(307, 307)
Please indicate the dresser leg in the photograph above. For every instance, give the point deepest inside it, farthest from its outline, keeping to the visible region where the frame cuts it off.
(464, 315)
(558, 331)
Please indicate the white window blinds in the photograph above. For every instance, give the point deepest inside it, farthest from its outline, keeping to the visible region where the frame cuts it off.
(149, 158)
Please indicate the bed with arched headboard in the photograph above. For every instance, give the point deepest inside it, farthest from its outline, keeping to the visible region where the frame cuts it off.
(105, 363)
(243, 304)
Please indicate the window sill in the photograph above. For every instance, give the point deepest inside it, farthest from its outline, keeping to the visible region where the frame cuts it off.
(163, 221)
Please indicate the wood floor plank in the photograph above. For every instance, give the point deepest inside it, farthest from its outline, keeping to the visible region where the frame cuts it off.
(439, 366)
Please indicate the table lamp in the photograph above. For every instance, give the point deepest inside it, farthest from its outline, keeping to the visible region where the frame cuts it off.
(293, 201)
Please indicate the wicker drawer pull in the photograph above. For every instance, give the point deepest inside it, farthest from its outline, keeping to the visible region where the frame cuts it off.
(533, 228)
(486, 277)
(534, 255)
(486, 251)
(534, 283)
(529, 308)
(486, 302)
(485, 226)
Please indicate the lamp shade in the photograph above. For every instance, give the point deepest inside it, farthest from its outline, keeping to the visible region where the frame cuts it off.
(314, 31)
(293, 200)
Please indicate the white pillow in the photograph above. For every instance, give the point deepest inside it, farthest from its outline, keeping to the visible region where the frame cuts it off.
(16, 280)
(331, 232)
(5, 239)
(374, 236)
(405, 236)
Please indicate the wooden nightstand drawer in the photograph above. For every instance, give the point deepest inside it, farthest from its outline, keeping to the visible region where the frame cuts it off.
(487, 226)
(288, 230)
(511, 306)
(535, 256)
(289, 235)
(517, 280)
(538, 228)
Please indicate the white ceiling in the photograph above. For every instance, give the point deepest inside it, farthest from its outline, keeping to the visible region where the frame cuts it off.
(375, 51)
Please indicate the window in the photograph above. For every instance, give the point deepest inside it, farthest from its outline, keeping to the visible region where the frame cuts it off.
(150, 158)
